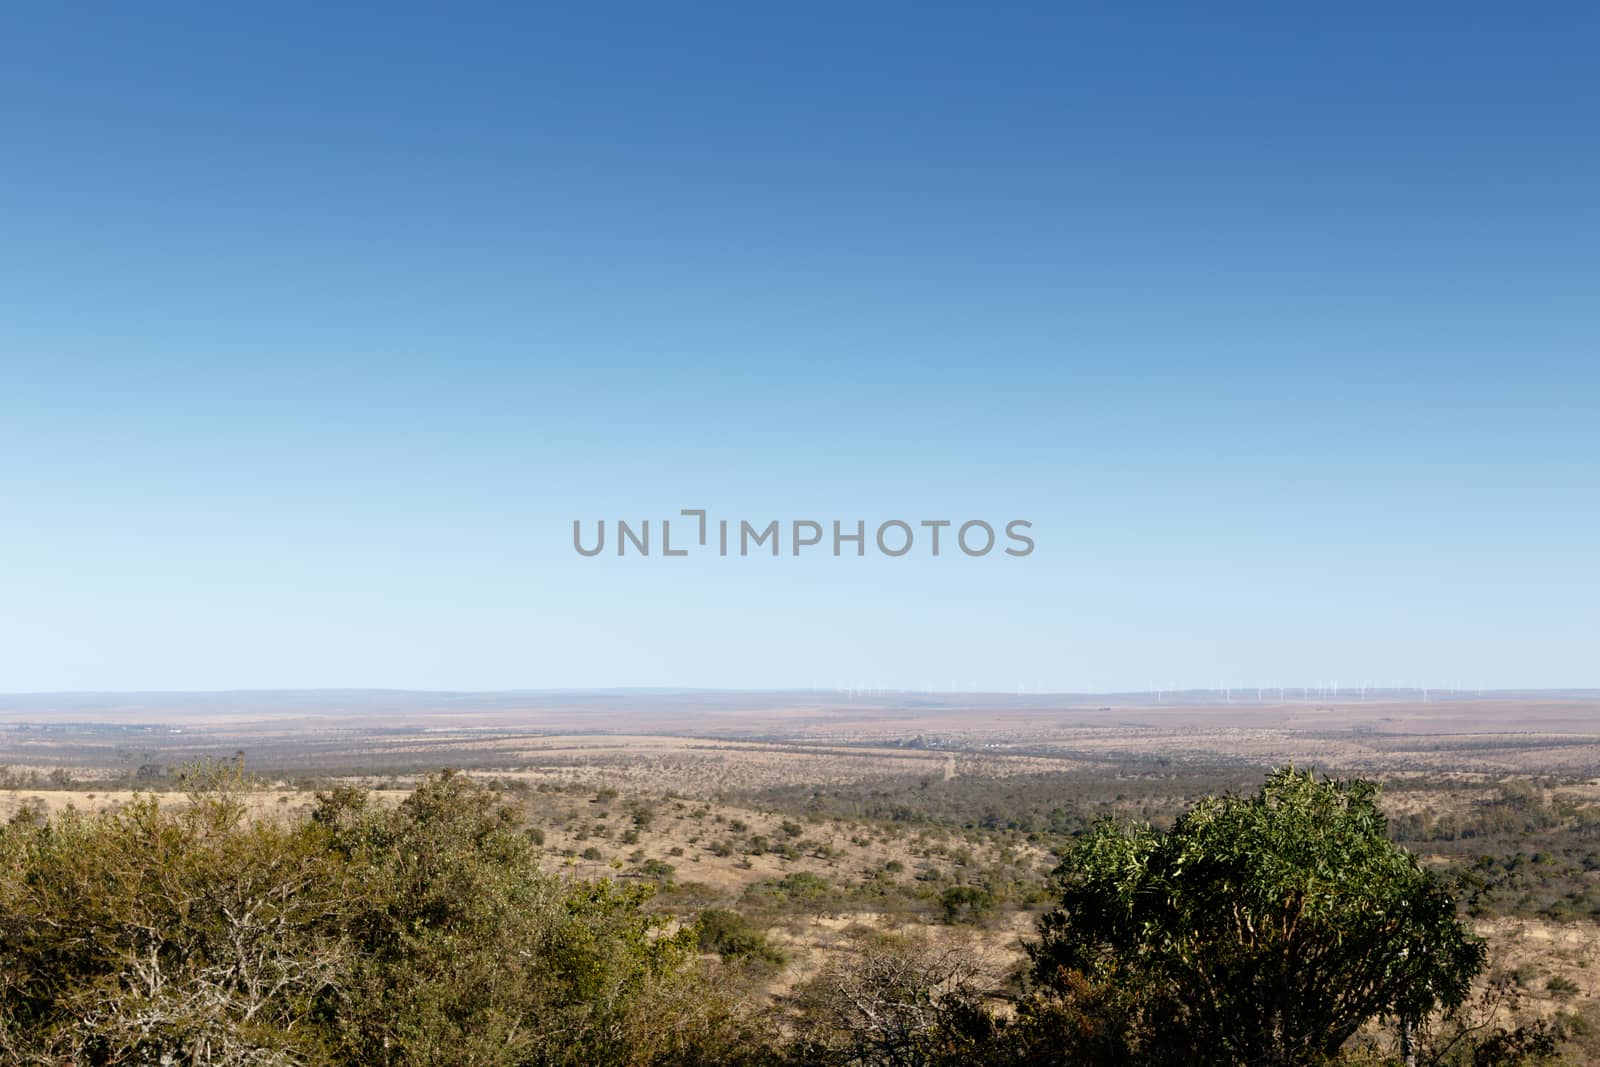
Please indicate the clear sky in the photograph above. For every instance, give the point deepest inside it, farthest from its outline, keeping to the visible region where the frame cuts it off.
(320, 323)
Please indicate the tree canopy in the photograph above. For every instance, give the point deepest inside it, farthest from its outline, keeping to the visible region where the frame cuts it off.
(1262, 929)
(422, 933)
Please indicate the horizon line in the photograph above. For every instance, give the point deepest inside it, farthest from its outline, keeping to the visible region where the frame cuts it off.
(1237, 692)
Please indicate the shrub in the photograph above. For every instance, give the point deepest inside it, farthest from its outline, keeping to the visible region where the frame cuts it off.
(966, 903)
(361, 935)
(733, 937)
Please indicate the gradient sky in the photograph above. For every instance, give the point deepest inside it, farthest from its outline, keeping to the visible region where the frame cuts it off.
(319, 324)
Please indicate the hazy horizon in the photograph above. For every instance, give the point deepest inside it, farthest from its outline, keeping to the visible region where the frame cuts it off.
(1239, 694)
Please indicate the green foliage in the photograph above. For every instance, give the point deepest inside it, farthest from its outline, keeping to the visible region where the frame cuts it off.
(1257, 930)
(966, 903)
(1525, 849)
(191, 934)
(733, 937)
(659, 870)
(419, 934)
(1261, 930)
(799, 888)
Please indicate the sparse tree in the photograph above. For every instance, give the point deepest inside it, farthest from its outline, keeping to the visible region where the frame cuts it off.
(893, 1004)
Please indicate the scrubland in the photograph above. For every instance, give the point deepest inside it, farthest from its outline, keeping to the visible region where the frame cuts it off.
(788, 860)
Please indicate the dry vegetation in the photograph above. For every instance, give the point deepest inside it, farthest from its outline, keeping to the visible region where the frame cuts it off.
(822, 831)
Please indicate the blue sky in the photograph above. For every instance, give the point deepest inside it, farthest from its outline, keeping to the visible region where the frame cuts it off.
(318, 327)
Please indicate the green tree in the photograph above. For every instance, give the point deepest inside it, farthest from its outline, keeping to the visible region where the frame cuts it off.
(1262, 930)
(168, 935)
(468, 953)
(197, 934)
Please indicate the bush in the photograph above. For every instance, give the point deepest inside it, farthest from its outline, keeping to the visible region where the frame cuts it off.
(1561, 986)
(362, 935)
(733, 937)
(966, 903)
(658, 870)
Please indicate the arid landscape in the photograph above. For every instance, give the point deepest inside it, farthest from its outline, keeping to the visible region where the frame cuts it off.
(825, 821)
(791, 738)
